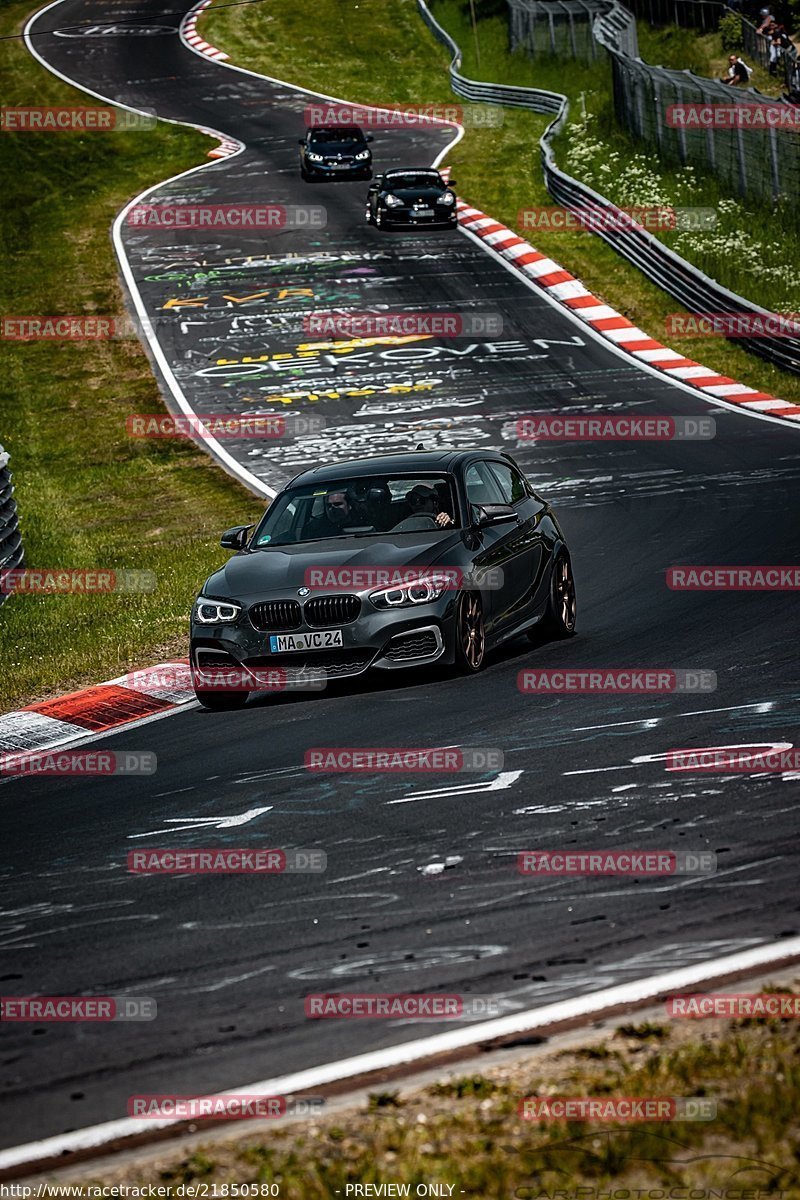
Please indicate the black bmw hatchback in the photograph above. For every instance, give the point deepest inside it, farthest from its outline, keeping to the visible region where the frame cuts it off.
(389, 562)
(336, 152)
(412, 196)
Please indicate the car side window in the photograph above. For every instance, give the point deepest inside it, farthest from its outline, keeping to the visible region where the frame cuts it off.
(511, 483)
(482, 486)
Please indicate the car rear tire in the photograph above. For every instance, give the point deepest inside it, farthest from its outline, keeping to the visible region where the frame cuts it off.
(221, 701)
(470, 633)
(560, 615)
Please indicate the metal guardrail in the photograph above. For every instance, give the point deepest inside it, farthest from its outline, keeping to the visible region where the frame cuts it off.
(696, 291)
(11, 554)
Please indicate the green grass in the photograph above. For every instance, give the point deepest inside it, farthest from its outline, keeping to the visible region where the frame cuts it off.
(88, 495)
(467, 1132)
(701, 53)
(498, 170)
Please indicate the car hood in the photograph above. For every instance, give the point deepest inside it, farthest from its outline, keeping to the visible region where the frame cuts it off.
(409, 195)
(280, 570)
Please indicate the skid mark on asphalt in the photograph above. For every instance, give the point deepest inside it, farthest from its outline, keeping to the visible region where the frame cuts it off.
(668, 957)
(402, 961)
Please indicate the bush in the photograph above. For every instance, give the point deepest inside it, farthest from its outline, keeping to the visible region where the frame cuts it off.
(730, 28)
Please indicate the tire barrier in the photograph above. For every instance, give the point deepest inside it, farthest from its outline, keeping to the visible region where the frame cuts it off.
(11, 554)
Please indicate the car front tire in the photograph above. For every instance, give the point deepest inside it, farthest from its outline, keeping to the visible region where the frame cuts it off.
(470, 633)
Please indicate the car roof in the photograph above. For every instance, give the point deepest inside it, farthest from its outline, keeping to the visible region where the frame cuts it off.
(412, 171)
(406, 462)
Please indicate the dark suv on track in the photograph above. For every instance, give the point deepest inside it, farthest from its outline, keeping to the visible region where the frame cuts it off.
(336, 152)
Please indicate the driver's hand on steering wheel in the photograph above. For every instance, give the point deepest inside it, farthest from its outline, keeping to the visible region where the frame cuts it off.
(443, 520)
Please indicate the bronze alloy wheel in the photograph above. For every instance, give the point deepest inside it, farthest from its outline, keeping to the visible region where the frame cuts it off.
(559, 620)
(470, 632)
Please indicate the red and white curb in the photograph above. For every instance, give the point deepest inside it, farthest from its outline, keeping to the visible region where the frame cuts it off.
(189, 28)
(188, 31)
(132, 697)
(570, 292)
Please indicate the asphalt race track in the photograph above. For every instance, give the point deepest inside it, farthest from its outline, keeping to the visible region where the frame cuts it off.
(229, 959)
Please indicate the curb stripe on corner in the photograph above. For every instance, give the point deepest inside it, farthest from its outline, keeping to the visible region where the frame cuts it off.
(51, 723)
(192, 36)
(568, 290)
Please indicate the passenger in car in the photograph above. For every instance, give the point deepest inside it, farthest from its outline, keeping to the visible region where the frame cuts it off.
(424, 501)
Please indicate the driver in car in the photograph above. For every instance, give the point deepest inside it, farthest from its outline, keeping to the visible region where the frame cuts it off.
(337, 512)
(423, 501)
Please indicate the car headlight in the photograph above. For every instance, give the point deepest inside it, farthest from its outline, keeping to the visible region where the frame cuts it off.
(215, 612)
(393, 201)
(421, 591)
(315, 157)
(447, 198)
(363, 155)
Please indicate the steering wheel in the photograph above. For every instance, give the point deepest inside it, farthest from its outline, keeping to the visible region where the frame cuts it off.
(422, 521)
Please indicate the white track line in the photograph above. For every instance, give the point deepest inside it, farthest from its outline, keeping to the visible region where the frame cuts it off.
(632, 993)
(203, 4)
(211, 444)
(580, 1008)
(627, 358)
(552, 300)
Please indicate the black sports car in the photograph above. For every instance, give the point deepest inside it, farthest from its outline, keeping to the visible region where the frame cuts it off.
(387, 562)
(411, 196)
(337, 151)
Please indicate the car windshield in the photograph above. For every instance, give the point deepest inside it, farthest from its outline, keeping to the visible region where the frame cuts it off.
(357, 507)
(347, 134)
(414, 179)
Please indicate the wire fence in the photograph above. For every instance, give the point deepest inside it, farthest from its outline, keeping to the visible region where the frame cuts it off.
(756, 153)
(11, 554)
(562, 29)
(690, 286)
(704, 16)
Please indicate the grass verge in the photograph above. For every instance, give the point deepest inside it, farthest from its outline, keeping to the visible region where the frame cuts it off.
(466, 1131)
(88, 495)
(379, 51)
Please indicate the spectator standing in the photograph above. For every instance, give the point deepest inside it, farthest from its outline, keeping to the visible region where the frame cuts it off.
(779, 44)
(767, 19)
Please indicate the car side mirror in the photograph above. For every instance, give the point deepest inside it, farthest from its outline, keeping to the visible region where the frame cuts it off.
(301, 141)
(236, 538)
(451, 183)
(369, 138)
(495, 514)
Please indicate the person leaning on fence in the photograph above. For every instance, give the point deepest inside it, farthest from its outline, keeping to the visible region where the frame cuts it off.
(767, 19)
(779, 43)
(794, 82)
(738, 72)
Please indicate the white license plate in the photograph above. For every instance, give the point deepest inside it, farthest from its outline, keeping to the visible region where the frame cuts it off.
(423, 212)
(281, 643)
(342, 166)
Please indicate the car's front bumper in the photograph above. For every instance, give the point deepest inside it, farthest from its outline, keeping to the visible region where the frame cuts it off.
(409, 218)
(408, 637)
(330, 170)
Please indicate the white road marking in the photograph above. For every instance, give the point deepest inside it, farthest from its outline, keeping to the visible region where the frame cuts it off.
(504, 780)
(761, 706)
(180, 824)
(584, 1007)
